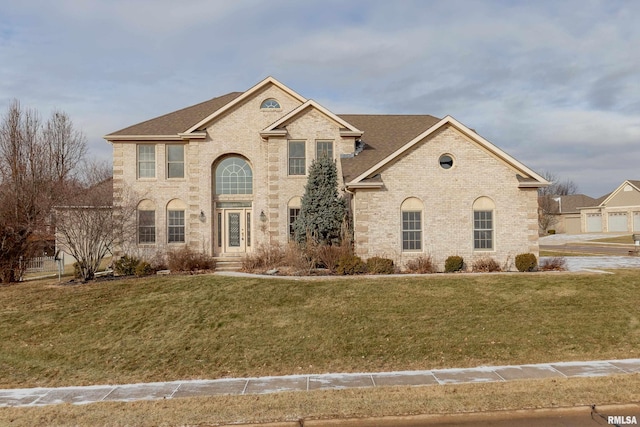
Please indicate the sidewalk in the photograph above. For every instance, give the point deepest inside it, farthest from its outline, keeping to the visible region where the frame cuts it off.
(262, 385)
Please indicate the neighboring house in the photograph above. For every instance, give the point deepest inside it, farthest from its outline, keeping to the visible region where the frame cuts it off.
(616, 212)
(567, 210)
(94, 198)
(226, 176)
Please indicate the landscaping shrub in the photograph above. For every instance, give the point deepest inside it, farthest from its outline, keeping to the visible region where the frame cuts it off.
(264, 258)
(453, 263)
(329, 255)
(553, 264)
(421, 265)
(351, 264)
(186, 259)
(158, 262)
(485, 265)
(126, 265)
(144, 269)
(526, 262)
(300, 259)
(379, 265)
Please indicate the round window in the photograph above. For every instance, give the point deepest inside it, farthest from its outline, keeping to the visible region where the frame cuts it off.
(446, 161)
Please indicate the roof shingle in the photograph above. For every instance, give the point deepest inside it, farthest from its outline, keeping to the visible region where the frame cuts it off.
(178, 121)
(383, 134)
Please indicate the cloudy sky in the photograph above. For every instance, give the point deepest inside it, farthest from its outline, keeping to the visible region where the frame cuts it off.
(556, 83)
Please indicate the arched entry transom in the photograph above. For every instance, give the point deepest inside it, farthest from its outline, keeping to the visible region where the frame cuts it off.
(233, 205)
(234, 176)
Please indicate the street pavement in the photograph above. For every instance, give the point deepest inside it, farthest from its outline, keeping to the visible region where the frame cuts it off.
(241, 386)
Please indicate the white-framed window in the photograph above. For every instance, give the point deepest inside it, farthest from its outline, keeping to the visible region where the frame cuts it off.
(146, 161)
(146, 222)
(176, 224)
(412, 224)
(175, 161)
(297, 158)
(146, 226)
(483, 224)
(270, 104)
(446, 161)
(234, 176)
(324, 149)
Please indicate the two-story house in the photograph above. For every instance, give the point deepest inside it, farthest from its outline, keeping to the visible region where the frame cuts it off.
(226, 175)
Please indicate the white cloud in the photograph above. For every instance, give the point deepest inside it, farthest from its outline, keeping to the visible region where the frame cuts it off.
(553, 83)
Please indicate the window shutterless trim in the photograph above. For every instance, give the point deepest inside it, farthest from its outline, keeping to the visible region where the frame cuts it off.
(146, 161)
(175, 166)
(411, 231)
(297, 165)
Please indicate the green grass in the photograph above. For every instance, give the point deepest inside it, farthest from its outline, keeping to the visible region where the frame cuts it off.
(187, 327)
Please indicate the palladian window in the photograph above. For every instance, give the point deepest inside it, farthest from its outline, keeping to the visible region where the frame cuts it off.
(234, 176)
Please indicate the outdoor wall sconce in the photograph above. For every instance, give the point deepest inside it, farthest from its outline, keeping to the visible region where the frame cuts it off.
(263, 217)
(202, 216)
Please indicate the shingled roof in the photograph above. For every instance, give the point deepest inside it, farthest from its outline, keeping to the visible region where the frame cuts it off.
(178, 121)
(383, 135)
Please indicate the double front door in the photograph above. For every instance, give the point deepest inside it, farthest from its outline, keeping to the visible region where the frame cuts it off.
(233, 230)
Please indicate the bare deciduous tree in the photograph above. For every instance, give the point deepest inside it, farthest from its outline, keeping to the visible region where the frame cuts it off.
(37, 167)
(548, 205)
(90, 227)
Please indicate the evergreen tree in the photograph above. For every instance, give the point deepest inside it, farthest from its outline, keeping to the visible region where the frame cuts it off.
(322, 209)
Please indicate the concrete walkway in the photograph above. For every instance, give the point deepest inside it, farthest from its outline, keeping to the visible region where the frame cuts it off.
(262, 385)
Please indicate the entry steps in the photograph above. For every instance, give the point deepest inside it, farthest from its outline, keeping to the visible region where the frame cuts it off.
(229, 263)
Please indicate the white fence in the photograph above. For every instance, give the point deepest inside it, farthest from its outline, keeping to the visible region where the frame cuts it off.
(43, 266)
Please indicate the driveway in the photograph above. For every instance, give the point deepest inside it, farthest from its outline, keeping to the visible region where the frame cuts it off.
(605, 255)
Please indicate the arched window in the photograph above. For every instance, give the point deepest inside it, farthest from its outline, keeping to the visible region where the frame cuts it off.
(234, 176)
(146, 222)
(411, 224)
(269, 104)
(176, 223)
(483, 224)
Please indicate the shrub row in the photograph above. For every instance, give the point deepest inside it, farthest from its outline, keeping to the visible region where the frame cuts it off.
(341, 260)
(182, 260)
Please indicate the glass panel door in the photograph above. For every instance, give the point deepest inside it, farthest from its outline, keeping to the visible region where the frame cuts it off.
(235, 230)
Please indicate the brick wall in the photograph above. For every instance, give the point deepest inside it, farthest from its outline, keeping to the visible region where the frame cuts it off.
(447, 196)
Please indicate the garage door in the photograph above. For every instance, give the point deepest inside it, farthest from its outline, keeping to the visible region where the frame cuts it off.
(636, 221)
(594, 223)
(618, 221)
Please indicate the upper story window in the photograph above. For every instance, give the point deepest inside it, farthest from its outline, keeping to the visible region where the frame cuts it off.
(446, 161)
(175, 161)
(146, 161)
(324, 149)
(297, 158)
(234, 176)
(270, 104)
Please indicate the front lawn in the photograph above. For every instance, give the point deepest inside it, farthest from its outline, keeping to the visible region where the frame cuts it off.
(187, 327)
